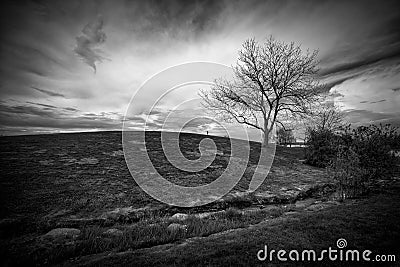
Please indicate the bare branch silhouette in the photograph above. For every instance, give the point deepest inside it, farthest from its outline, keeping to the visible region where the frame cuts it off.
(270, 79)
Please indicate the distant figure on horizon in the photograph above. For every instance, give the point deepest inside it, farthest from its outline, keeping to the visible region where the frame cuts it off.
(207, 132)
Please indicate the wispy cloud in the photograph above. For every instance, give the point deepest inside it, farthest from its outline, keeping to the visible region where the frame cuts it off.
(52, 107)
(87, 44)
(40, 104)
(47, 92)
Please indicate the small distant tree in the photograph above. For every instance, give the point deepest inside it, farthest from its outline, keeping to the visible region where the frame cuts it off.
(270, 79)
(285, 136)
(325, 116)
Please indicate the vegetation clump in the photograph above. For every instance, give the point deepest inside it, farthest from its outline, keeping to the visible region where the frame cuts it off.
(354, 157)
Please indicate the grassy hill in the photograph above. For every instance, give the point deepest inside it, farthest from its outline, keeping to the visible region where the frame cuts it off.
(87, 172)
(80, 181)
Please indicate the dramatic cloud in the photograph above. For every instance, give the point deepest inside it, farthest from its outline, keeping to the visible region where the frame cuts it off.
(87, 44)
(46, 48)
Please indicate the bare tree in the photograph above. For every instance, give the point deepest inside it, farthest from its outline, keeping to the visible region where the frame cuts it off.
(285, 136)
(269, 79)
(325, 116)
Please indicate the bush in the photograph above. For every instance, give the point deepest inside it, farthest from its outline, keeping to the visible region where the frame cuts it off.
(373, 145)
(346, 171)
(354, 157)
(321, 148)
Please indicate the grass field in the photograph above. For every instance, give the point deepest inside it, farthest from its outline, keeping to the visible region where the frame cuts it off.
(81, 182)
(87, 173)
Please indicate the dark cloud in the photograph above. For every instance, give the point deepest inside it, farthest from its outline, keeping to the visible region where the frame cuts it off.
(45, 117)
(43, 105)
(71, 109)
(395, 89)
(362, 102)
(362, 63)
(379, 101)
(369, 32)
(87, 43)
(89, 114)
(176, 18)
(47, 92)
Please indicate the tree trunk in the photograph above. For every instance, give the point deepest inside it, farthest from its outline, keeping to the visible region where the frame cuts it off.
(265, 140)
(266, 132)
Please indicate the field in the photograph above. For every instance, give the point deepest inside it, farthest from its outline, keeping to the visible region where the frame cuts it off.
(80, 183)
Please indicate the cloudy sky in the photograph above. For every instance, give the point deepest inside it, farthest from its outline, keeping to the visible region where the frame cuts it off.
(74, 65)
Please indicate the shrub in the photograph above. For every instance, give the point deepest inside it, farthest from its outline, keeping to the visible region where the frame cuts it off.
(373, 145)
(321, 147)
(347, 173)
(354, 157)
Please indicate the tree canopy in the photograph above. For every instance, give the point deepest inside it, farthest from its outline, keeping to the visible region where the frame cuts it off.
(271, 80)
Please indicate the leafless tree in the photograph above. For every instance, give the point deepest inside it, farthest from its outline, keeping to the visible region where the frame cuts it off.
(325, 116)
(270, 79)
(285, 136)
